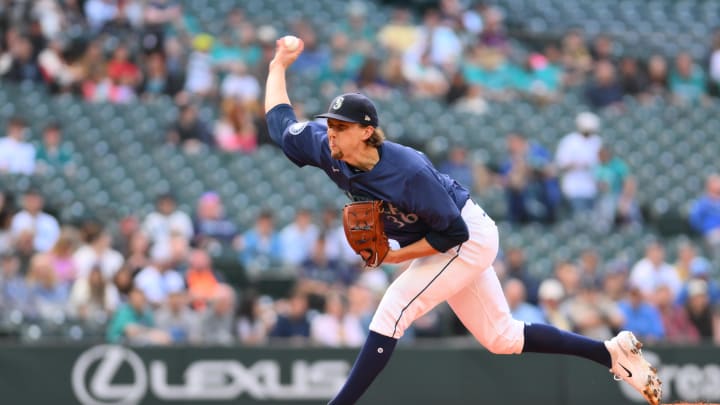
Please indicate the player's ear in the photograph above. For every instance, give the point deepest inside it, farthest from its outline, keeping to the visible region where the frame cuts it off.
(368, 132)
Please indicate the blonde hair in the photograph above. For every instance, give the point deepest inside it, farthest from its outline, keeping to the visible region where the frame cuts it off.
(377, 137)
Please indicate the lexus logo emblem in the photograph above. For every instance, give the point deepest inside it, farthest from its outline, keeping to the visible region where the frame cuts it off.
(98, 388)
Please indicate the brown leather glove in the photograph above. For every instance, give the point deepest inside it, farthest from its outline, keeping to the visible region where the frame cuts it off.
(365, 231)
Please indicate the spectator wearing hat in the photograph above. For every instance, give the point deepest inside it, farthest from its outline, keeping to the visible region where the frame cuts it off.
(641, 317)
(705, 318)
(576, 158)
(705, 214)
(16, 155)
(34, 226)
(551, 295)
(700, 269)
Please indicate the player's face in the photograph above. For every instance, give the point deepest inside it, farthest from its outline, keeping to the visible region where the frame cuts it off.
(344, 137)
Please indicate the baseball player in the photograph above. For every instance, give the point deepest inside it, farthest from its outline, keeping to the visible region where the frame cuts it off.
(450, 240)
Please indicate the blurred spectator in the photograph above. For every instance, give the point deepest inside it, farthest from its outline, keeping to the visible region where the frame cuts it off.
(457, 88)
(177, 319)
(702, 315)
(93, 298)
(632, 80)
(517, 268)
(602, 49)
(298, 238)
(530, 182)
(49, 297)
(641, 317)
(167, 219)
(610, 174)
(628, 211)
(123, 282)
(569, 276)
(393, 74)
(33, 226)
(158, 80)
(294, 321)
(16, 155)
(675, 322)
(705, 214)
(7, 211)
(240, 85)
(370, 80)
(336, 327)
(436, 43)
(52, 154)
(714, 65)
(99, 12)
(134, 323)
(158, 16)
(216, 322)
(23, 66)
(211, 227)
(615, 277)
(318, 267)
(425, 78)
(200, 78)
(589, 264)
(254, 319)
(121, 69)
(14, 289)
(520, 309)
(652, 271)
(551, 296)
(658, 87)
(493, 33)
(262, 247)
(97, 251)
(592, 313)
(58, 74)
(458, 166)
(190, 131)
(399, 34)
(700, 269)
(576, 157)
(61, 255)
(356, 28)
(472, 102)
(235, 131)
(201, 280)
(575, 57)
(605, 90)
(159, 279)
(126, 228)
(138, 255)
(687, 81)
(315, 56)
(686, 253)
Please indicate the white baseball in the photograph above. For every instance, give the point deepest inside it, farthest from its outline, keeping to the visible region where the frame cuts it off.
(291, 42)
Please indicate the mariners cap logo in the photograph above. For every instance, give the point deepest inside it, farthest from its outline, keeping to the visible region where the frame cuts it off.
(367, 117)
(338, 103)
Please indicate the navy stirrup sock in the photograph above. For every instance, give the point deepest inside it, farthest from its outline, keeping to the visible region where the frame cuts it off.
(373, 357)
(541, 338)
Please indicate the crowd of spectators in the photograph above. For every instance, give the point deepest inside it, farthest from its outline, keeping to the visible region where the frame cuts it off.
(153, 280)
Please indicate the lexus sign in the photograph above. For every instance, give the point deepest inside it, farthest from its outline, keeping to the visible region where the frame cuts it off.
(94, 374)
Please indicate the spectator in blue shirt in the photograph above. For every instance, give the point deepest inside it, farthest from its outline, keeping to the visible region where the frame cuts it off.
(705, 213)
(700, 268)
(519, 308)
(262, 246)
(294, 323)
(641, 318)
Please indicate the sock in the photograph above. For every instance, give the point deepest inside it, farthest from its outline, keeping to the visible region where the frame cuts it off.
(373, 357)
(541, 338)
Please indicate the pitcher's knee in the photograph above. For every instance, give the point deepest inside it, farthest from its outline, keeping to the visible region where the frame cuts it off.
(508, 339)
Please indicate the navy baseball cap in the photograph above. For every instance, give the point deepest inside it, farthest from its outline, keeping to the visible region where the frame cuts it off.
(352, 107)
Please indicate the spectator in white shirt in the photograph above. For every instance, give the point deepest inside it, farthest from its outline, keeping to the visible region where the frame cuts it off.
(336, 327)
(159, 279)
(32, 224)
(298, 238)
(160, 224)
(97, 251)
(652, 272)
(16, 155)
(577, 155)
(240, 85)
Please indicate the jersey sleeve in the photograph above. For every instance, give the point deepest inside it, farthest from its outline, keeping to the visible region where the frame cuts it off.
(302, 142)
(427, 197)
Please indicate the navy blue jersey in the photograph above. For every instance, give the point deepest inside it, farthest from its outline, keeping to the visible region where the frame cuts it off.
(417, 199)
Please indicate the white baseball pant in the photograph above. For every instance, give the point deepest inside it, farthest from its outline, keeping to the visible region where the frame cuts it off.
(465, 278)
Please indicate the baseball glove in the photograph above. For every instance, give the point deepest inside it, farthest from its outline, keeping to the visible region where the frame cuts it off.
(365, 231)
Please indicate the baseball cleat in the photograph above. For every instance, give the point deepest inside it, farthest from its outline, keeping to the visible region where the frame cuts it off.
(628, 364)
